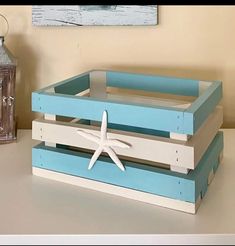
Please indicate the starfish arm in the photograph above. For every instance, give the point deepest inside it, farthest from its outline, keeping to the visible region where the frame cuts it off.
(104, 126)
(117, 143)
(95, 157)
(114, 157)
(88, 136)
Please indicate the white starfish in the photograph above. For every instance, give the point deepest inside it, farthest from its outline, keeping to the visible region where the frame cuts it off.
(104, 144)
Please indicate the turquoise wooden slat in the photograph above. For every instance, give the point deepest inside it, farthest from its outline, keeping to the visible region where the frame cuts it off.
(75, 86)
(64, 82)
(203, 106)
(166, 119)
(171, 85)
(69, 162)
(137, 115)
(188, 123)
(137, 176)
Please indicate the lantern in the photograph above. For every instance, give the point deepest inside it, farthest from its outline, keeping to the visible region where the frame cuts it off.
(7, 92)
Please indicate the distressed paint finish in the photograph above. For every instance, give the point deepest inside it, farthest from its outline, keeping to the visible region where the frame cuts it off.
(79, 15)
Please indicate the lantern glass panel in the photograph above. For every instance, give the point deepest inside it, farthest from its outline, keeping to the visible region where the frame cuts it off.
(7, 94)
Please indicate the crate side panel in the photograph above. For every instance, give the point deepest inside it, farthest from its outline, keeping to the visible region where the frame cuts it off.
(156, 149)
(207, 163)
(206, 133)
(204, 105)
(156, 118)
(74, 86)
(117, 190)
(139, 177)
(171, 85)
(51, 86)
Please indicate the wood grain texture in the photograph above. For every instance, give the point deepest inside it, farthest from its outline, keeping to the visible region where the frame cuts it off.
(86, 15)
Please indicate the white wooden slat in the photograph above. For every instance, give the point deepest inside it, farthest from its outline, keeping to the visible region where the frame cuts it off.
(89, 15)
(178, 136)
(49, 117)
(179, 169)
(98, 84)
(202, 86)
(184, 105)
(119, 191)
(145, 147)
(84, 93)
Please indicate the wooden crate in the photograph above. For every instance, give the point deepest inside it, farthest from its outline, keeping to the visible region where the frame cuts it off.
(168, 123)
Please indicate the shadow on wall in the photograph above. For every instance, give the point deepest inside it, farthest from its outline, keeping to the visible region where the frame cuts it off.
(25, 76)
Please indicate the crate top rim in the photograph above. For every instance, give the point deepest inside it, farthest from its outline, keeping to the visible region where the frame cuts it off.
(190, 118)
(192, 87)
(88, 72)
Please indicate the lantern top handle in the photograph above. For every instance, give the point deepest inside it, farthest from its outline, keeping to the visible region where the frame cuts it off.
(7, 24)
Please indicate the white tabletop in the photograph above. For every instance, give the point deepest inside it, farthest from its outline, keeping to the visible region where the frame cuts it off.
(34, 205)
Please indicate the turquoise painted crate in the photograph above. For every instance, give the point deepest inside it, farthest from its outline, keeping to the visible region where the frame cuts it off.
(162, 133)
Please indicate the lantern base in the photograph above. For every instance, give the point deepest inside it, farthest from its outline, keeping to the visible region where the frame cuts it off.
(9, 137)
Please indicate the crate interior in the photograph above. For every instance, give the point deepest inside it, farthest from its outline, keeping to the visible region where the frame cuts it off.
(137, 89)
